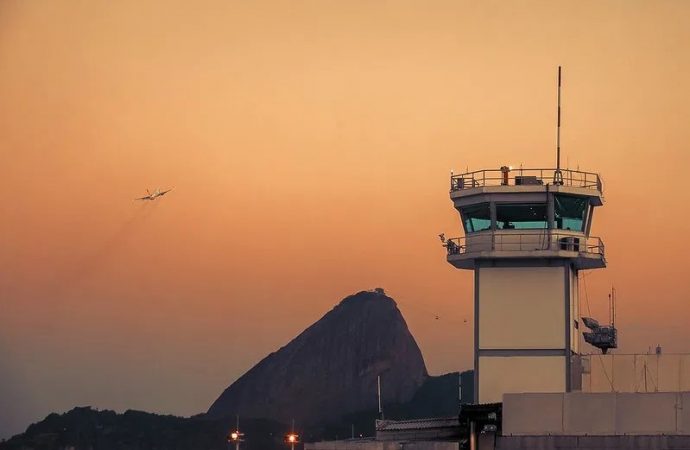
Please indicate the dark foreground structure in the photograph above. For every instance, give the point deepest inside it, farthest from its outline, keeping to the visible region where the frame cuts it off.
(573, 421)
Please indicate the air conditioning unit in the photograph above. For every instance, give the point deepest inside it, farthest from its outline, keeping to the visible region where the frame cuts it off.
(527, 180)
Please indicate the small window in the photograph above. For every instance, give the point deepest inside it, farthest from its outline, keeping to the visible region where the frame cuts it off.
(570, 212)
(521, 216)
(476, 217)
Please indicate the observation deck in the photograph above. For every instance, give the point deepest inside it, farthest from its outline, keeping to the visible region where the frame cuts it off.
(508, 180)
(586, 252)
(526, 214)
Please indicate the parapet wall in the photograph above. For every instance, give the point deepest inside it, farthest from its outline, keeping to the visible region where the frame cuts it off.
(592, 442)
(598, 414)
(379, 445)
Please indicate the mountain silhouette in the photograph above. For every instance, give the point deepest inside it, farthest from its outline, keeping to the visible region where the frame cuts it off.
(331, 368)
(325, 378)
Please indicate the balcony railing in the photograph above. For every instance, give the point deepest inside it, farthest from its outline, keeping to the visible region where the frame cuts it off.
(518, 177)
(524, 242)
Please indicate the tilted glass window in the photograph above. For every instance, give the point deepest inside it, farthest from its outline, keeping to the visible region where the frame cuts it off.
(570, 212)
(476, 217)
(521, 216)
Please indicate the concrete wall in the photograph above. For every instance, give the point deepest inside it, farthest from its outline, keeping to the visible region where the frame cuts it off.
(684, 414)
(592, 442)
(589, 414)
(519, 374)
(604, 414)
(379, 445)
(636, 373)
(521, 307)
(521, 321)
(418, 435)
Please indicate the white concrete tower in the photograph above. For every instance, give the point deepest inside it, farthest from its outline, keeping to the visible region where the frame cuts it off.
(526, 238)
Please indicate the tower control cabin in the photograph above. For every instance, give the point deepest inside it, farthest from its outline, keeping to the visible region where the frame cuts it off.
(526, 238)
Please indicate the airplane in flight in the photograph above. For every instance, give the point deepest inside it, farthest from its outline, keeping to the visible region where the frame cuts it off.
(154, 195)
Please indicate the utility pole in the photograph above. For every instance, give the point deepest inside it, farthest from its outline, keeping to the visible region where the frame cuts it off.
(378, 390)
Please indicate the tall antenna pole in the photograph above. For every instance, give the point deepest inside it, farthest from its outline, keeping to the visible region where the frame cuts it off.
(237, 430)
(378, 389)
(460, 387)
(292, 442)
(558, 176)
(610, 308)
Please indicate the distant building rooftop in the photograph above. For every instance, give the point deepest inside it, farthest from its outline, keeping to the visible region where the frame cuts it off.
(435, 428)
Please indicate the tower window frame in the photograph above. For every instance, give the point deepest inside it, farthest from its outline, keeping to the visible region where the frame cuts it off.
(476, 217)
(571, 212)
(522, 216)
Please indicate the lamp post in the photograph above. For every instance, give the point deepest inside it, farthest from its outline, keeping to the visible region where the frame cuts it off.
(236, 436)
(292, 438)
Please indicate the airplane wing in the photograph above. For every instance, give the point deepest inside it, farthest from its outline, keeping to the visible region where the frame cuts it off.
(164, 192)
(143, 198)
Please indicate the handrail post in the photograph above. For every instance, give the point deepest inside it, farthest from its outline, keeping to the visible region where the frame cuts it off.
(550, 238)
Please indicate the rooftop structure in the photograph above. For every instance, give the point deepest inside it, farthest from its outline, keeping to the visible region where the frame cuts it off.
(429, 429)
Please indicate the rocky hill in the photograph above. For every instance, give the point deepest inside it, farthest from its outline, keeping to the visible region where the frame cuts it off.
(85, 428)
(331, 368)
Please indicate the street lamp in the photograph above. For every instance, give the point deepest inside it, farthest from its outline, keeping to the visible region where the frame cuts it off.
(236, 436)
(292, 439)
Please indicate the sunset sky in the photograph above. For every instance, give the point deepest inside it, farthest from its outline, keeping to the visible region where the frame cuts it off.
(309, 144)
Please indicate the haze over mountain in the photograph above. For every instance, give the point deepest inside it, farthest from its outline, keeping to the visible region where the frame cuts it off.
(331, 368)
(325, 378)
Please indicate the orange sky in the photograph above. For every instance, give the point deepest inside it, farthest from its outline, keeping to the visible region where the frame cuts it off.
(309, 144)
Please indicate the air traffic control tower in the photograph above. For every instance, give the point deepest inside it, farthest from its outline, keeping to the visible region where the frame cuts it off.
(526, 239)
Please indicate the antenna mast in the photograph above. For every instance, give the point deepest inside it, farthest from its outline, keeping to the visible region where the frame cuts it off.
(378, 389)
(558, 176)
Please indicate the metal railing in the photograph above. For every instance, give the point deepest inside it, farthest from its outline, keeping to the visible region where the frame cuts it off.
(521, 242)
(517, 177)
(645, 372)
